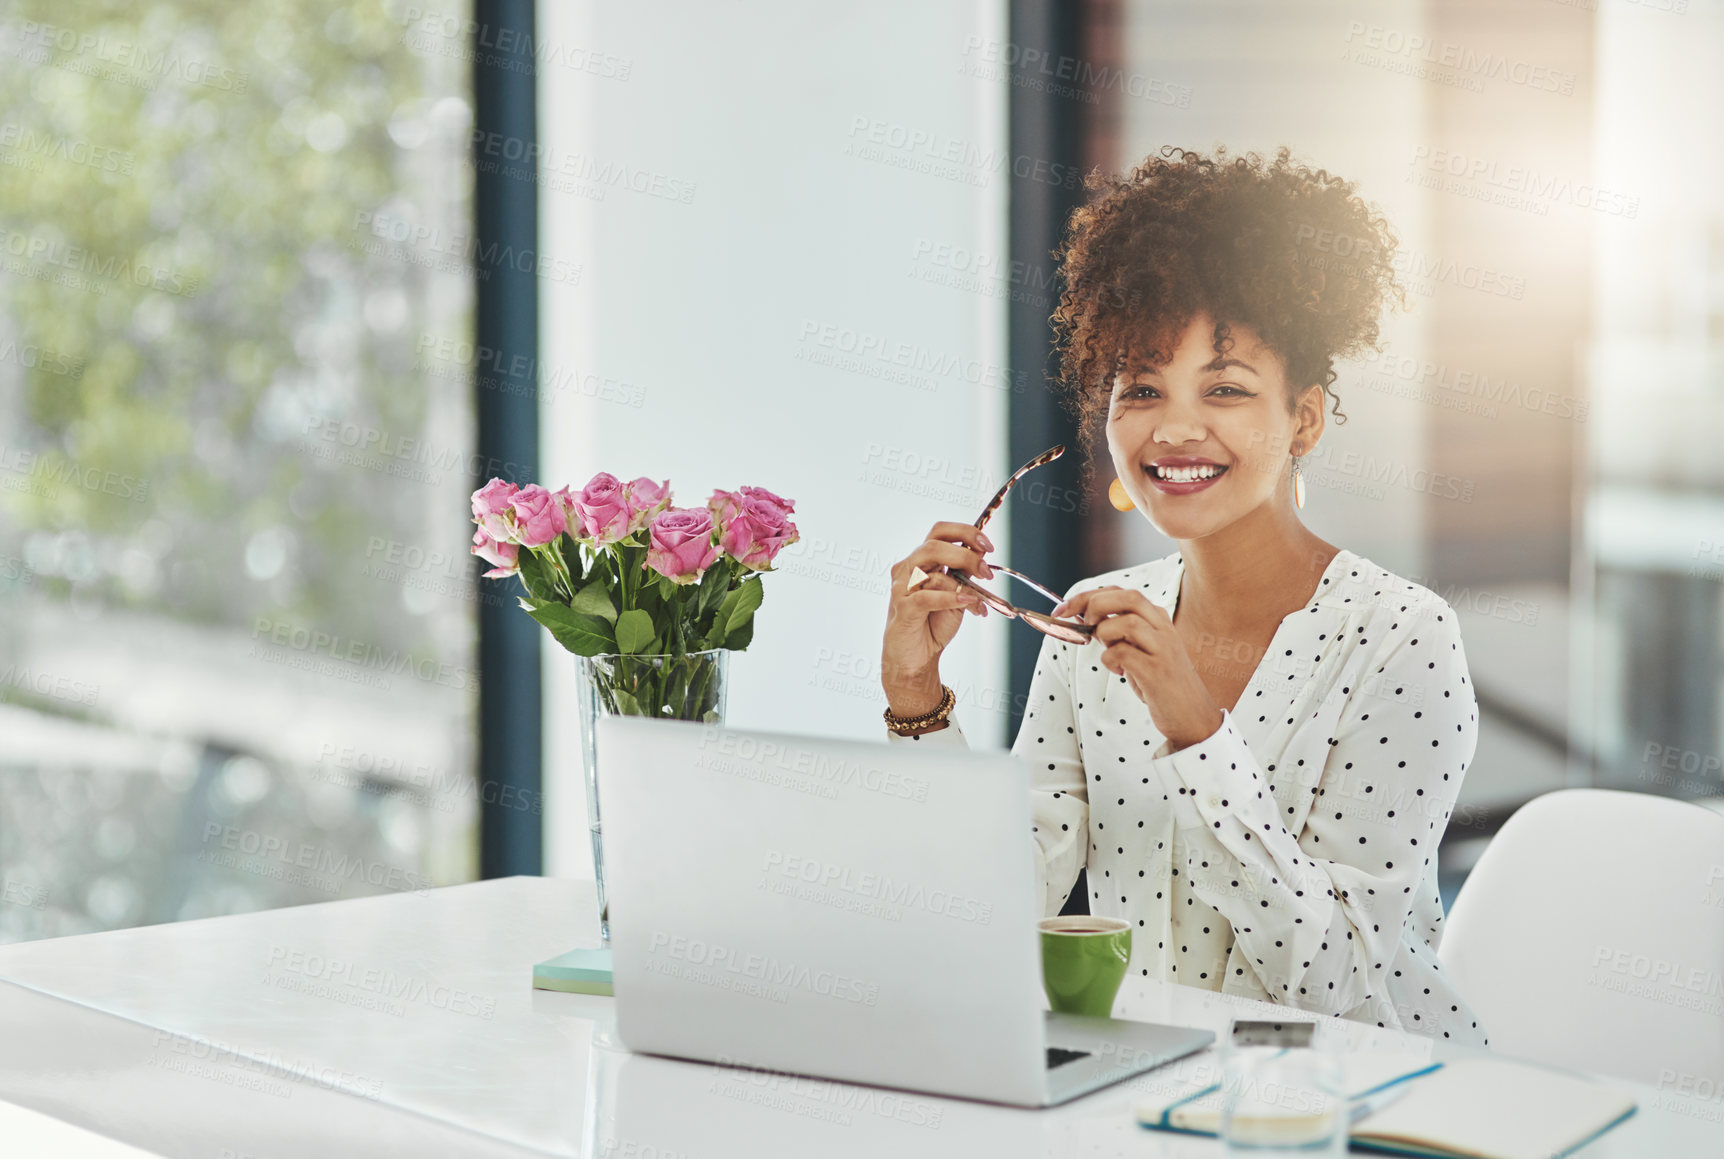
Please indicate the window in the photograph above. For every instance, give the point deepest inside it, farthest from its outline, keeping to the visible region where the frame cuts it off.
(237, 611)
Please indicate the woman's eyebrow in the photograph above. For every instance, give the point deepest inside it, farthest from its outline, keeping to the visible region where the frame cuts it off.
(1224, 363)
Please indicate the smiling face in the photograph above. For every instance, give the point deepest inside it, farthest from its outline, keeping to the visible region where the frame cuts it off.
(1206, 440)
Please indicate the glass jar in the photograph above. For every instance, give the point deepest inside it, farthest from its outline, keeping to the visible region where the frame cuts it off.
(1282, 1091)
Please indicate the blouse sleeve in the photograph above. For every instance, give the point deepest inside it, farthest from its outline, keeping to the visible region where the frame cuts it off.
(1320, 916)
(1047, 740)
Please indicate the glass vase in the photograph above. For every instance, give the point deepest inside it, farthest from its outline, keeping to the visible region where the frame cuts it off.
(679, 686)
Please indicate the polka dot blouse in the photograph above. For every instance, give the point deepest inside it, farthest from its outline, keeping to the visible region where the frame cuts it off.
(1292, 855)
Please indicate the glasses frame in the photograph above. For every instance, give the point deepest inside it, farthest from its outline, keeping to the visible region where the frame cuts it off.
(1066, 631)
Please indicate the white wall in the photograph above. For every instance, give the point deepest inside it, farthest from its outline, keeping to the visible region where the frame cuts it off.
(797, 224)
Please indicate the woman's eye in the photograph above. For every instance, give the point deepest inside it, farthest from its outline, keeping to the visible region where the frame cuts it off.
(1236, 391)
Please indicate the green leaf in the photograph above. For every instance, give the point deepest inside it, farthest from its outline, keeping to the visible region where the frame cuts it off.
(634, 631)
(535, 575)
(738, 607)
(581, 634)
(713, 586)
(594, 600)
(740, 636)
(627, 705)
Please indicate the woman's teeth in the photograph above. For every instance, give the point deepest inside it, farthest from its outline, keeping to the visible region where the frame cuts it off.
(1187, 474)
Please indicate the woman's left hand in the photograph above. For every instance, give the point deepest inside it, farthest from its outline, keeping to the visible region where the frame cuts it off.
(1140, 643)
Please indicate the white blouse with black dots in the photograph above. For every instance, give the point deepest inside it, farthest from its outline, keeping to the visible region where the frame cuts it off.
(1291, 856)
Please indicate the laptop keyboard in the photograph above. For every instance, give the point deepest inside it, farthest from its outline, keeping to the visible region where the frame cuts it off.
(1058, 1057)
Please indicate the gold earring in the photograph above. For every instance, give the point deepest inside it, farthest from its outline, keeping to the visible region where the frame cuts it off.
(1298, 484)
(1117, 496)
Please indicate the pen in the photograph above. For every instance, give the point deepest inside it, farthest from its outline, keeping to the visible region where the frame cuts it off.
(1366, 1104)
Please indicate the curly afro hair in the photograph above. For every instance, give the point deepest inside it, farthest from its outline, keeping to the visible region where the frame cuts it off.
(1289, 251)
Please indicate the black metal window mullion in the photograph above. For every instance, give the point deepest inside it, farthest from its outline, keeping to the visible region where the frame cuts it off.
(1043, 128)
(505, 211)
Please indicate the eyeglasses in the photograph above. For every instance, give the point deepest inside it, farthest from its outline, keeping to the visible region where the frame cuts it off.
(1068, 631)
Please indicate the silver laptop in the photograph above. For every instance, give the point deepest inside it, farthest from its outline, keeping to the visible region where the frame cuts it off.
(853, 911)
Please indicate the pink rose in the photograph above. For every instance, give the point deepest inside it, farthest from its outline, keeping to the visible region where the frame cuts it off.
(491, 509)
(761, 493)
(539, 517)
(645, 499)
(571, 517)
(680, 543)
(502, 554)
(604, 510)
(757, 533)
(723, 505)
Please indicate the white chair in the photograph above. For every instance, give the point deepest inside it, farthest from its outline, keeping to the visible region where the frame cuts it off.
(1590, 935)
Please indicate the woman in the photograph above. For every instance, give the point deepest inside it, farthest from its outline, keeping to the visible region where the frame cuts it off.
(1256, 753)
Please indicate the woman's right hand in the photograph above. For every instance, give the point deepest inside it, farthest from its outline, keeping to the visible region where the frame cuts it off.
(920, 623)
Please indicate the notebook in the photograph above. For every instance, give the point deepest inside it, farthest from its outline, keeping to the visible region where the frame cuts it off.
(1476, 1108)
(1489, 1108)
(1196, 1108)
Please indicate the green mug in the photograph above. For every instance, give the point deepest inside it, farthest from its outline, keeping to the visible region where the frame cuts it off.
(1083, 962)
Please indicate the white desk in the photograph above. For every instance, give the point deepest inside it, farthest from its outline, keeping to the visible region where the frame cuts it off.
(217, 1039)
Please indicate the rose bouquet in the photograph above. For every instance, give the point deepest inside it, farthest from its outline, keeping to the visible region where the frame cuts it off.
(617, 573)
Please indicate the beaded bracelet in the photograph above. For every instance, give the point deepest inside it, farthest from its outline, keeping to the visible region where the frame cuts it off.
(903, 726)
